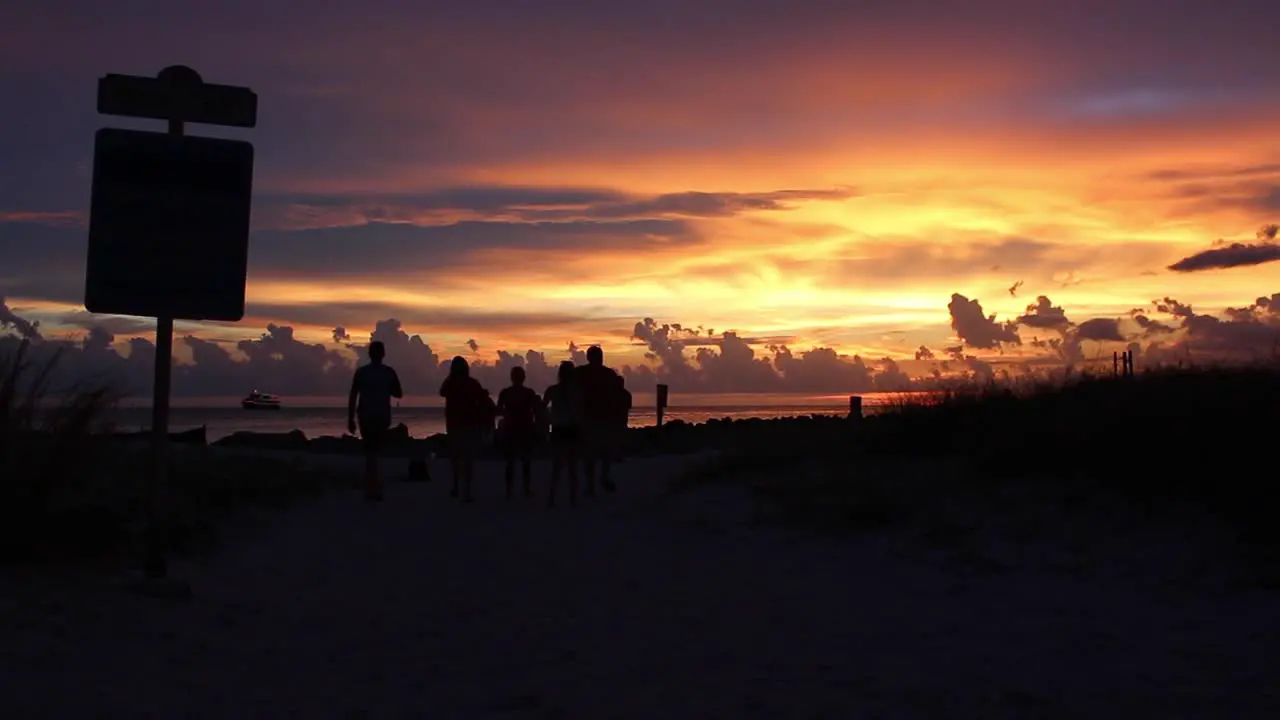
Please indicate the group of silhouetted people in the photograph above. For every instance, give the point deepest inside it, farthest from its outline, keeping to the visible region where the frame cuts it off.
(582, 416)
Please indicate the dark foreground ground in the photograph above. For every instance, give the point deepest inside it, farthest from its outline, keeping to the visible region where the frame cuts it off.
(641, 606)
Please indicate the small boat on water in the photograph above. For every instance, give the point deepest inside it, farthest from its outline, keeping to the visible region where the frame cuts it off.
(261, 401)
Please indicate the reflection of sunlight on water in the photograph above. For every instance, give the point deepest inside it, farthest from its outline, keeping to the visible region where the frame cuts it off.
(318, 416)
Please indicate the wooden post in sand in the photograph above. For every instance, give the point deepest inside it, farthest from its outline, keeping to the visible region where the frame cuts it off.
(661, 402)
(855, 407)
(1115, 364)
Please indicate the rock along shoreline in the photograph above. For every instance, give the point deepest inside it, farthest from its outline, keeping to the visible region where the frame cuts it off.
(674, 437)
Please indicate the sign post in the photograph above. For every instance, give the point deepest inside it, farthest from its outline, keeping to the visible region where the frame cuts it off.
(168, 230)
(661, 402)
(156, 565)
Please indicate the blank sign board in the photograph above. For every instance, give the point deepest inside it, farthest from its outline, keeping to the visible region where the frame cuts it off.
(168, 226)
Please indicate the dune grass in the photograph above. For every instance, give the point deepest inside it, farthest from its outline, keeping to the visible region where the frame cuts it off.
(69, 492)
(1186, 441)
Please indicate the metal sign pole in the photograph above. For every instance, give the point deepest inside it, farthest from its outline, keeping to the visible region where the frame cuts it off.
(157, 562)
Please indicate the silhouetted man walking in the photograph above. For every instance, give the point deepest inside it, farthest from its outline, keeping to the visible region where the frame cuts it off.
(521, 409)
(599, 387)
(370, 401)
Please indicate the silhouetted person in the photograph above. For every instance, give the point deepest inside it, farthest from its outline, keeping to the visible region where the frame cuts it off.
(564, 401)
(465, 411)
(370, 402)
(624, 417)
(521, 410)
(599, 404)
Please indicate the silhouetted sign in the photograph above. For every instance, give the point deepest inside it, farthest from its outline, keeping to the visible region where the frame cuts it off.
(197, 102)
(662, 396)
(168, 226)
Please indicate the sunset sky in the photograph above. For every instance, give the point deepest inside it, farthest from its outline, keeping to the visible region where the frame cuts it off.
(809, 174)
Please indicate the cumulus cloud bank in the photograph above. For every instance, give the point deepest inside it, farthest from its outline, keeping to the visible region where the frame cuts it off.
(691, 359)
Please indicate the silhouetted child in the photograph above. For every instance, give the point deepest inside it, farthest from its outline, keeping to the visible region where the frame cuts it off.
(466, 406)
(564, 401)
(370, 402)
(521, 410)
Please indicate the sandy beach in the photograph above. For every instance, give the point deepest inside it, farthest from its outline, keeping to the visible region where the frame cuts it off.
(637, 605)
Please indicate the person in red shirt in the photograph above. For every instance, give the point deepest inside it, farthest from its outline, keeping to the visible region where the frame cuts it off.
(521, 410)
(466, 406)
(600, 399)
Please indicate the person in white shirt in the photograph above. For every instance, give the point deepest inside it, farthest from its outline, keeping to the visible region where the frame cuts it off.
(370, 402)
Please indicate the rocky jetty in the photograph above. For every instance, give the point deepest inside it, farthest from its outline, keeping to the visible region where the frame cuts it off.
(675, 437)
(194, 436)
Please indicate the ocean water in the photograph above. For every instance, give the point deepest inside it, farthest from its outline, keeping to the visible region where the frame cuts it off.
(424, 416)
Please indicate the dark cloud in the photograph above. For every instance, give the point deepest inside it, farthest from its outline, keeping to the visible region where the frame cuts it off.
(441, 319)
(736, 366)
(822, 370)
(1044, 315)
(475, 346)
(731, 364)
(482, 199)
(976, 329)
(1233, 255)
(891, 378)
(1067, 347)
(520, 205)
(1099, 330)
(1252, 189)
(969, 365)
(924, 353)
(1243, 334)
(666, 344)
(46, 262)
(114, 324)
(1268, 201)
(383, 248)
(1169, 306)
(42, 255)
(1202, 174)
(707, 204)
(1149, 326)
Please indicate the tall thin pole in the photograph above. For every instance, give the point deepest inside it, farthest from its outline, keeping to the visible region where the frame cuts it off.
(157, 563)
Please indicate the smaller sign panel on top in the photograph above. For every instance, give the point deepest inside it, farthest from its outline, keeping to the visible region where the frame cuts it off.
(169, 226)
